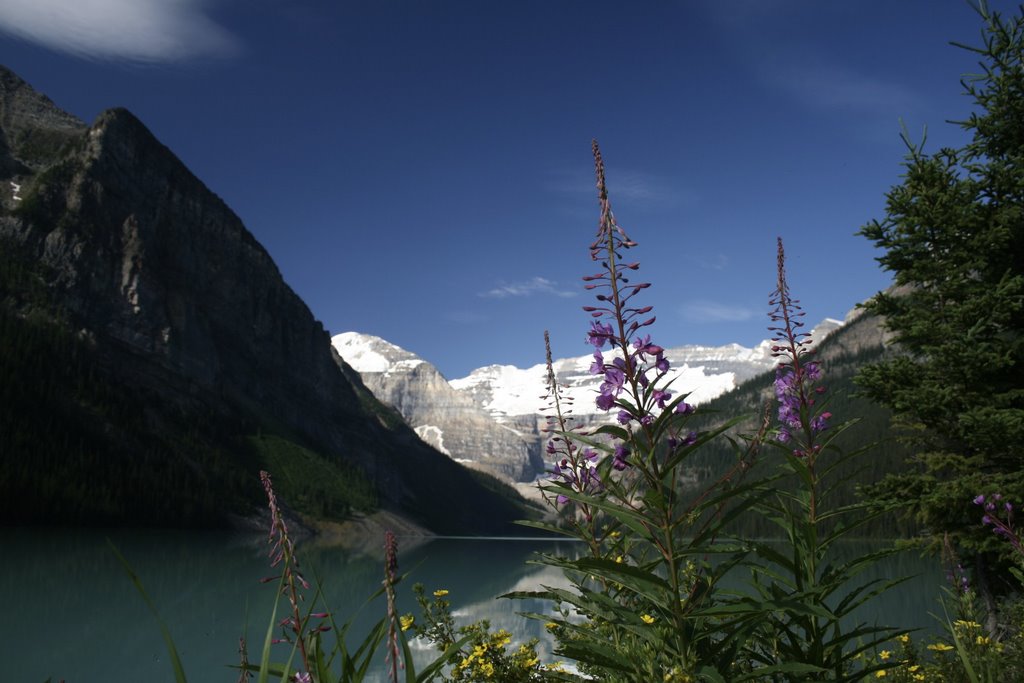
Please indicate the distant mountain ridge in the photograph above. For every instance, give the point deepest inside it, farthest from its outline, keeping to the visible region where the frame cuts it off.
(500, 405)
(155, 360)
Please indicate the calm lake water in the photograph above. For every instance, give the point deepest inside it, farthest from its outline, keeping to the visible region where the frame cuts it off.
(71, 612)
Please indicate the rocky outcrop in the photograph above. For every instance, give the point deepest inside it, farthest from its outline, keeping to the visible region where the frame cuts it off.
(446, 419)
(187, 311)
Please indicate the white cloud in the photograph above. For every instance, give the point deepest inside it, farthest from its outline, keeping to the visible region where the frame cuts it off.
(717, 262)
(710, 311)
(537, 285)
(835, 87)
(136, 30)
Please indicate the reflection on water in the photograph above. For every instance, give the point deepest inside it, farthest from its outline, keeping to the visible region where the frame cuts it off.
(72, 613)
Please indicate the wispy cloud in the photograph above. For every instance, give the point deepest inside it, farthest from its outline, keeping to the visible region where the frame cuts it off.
(835, 87)
(537, 285)
(716, 262)
(715, 312)
(133, 30)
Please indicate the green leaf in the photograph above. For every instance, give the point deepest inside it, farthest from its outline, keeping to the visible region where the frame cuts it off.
(179, 670)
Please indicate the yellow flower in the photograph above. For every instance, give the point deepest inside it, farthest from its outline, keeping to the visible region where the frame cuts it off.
(440, 593)
(551, 626)
(940, 647)
(486, 668)
(918, 677)
(406, 621)
(618, 559)
(647, 619)
(913, 668)
(982, 640)
(880, 674)
(966, 624)
(884, 655)
(904, 638)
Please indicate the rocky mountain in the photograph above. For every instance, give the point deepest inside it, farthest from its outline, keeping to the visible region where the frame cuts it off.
(154, 358)
(492, 420)
(447, 419)
(508, 392)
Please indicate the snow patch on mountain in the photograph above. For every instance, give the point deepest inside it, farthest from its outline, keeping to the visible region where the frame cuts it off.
(433, 435)
(366, 353)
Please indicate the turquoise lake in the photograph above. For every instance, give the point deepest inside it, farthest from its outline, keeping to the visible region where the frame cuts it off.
(70, 612)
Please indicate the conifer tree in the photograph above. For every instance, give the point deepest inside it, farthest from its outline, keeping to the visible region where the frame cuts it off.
(953, 237)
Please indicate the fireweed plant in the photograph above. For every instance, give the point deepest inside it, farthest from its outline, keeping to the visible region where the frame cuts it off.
(805, 598)
(645, 600)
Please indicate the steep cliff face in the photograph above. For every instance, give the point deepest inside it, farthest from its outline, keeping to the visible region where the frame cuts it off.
(447, 419)
(180, 307)
(145, 257)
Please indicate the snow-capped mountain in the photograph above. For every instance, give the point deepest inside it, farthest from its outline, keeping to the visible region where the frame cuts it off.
(705, 372)
(491, 419)
(446, 419)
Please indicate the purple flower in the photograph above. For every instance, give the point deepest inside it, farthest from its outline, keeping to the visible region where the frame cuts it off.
(619, 461)
(820, 423)
(644, 346)
(624, 417)
(661, 364)
(597, 367)
(675, 442)
(813, 371)
(580, 474)
(599, 334)
(614, 379)
(684, 408)
(660, 397)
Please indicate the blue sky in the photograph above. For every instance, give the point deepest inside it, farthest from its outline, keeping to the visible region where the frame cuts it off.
(420, 170)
